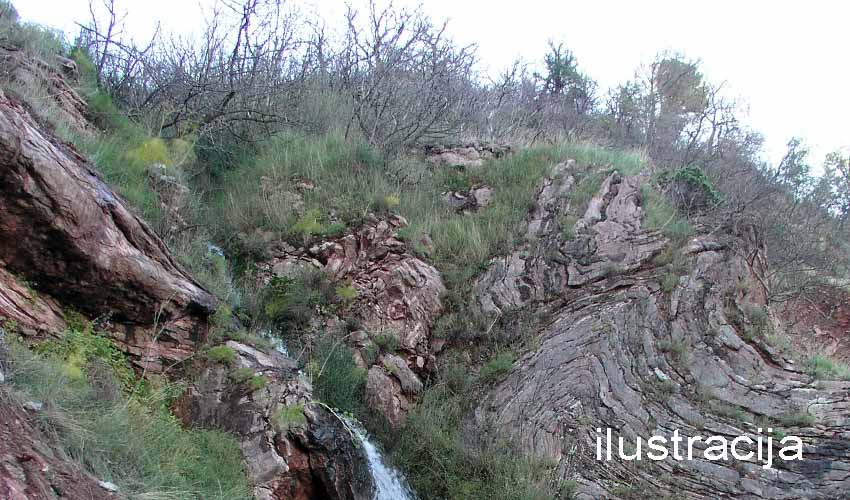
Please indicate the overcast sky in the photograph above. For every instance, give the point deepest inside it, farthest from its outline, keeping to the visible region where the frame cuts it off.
(787, 60)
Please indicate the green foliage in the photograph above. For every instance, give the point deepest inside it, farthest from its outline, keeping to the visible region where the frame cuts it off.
(674, 264)
(498, 366)
(659, 214)
(290, 302)
(432, 451)
(567, 222)
(691, 188)
(257, 190)
(800, 418)
(308, 225)
(38, 40)
(679, 351)
(386, 340)
(346, 293)
(221, 354)
(823, 367)
(289, 417)
(257, 382)
(149, 152)
(760, 326)
(79, 346)
(567, 489)
(337, 380)
(246, 376)
(241, 375)
(130, 439)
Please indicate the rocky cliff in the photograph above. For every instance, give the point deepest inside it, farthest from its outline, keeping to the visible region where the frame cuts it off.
(69, 243)
(75, 242)
(618, 351)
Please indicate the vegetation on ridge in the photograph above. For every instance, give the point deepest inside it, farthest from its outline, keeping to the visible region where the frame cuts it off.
(298, 152)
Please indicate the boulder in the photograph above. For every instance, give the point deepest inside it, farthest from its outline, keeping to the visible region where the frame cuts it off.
(469, 200)
(464, 155)
(77, 242)
(395, 289)
(293, 448)
(385, 396)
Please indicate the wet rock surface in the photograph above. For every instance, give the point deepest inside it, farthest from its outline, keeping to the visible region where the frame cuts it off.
(75, 241)
(293, 448)
(616, 352)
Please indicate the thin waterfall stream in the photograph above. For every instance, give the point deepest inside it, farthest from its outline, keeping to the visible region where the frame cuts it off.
(390, 484)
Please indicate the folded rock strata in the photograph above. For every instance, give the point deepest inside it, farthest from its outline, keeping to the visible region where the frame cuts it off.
(616, 352)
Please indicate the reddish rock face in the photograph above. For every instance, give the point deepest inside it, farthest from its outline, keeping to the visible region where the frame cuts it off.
(398, 294)
(396, 291)
(74, 240)
(31, 469)
(29, 72)
(308, 454)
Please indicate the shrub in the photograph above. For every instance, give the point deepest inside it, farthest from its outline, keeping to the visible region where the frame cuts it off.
(337, 380)
(659, 214)
(241, 375)
(690, 188)
(257, 382)
(221, 354)
(289, 417)
(79, 346)
(679, 351)
(441, 464)
(498, 366)
(308, 225)
(346, 293)
(290, 302)
(800, 418)
(386, 340)
(822, 367)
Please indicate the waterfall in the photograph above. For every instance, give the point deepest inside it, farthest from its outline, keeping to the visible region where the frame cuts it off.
(390, 484)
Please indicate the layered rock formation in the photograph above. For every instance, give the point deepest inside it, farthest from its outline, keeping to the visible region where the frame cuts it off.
(616, 352)
(293, 448)
(397, 296)
(29, 73)
(72, 239)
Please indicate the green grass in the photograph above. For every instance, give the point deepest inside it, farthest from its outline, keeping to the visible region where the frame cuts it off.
(825, 368)
(131, 438)
(289, 416)
(498, 366)
(431, 449)
(221, 354)
(660, 214)
(337, 380)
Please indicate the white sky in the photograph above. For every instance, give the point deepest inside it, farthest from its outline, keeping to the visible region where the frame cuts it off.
(786, 59)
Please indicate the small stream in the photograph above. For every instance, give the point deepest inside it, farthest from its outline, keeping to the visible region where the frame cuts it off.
(390, 484)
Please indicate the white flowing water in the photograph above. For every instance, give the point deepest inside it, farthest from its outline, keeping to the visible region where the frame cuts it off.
(390, 484)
